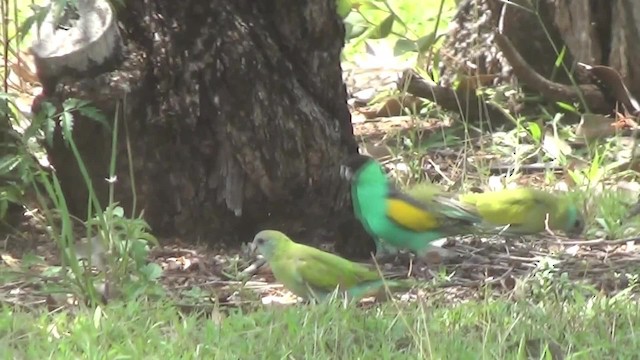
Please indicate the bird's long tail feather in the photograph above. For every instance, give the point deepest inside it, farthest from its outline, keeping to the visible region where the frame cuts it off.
(377, 288)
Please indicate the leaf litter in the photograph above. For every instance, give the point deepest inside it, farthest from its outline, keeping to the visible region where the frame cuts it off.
(474, 267)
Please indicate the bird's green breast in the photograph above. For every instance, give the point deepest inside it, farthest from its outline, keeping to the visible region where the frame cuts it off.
(284, 270)
(369, 193)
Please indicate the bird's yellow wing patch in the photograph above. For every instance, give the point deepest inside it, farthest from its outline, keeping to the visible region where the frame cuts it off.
(410, 216)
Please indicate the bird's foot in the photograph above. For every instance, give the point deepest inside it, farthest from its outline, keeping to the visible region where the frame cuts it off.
(385, 251)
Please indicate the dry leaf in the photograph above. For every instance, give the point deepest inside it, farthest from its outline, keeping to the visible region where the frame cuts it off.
(572, 250)
(11, 262)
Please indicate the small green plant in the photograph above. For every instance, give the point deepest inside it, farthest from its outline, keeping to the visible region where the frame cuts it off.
(115, 244)
(412, 27)
(610, 208)
(550, 284)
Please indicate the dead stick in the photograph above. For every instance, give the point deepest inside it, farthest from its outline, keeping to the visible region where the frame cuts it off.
(253, 268)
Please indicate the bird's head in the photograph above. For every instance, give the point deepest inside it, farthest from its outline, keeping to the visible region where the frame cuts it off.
(267, 242)
(569, 217)
(352, 164)
(575, 221)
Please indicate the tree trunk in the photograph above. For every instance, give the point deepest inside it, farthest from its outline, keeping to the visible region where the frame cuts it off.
(602, 32)
(492, 41)
(235, 114)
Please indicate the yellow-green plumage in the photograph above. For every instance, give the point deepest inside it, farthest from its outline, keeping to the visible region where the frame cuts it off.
(524, 210)
(312, 273)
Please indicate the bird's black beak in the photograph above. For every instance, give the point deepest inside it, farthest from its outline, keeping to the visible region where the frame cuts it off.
(346, 173)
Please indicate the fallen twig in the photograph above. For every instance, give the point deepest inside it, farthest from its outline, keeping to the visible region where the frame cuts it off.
(253, 268)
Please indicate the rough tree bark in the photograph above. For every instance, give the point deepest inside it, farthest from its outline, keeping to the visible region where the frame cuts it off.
(235, 115)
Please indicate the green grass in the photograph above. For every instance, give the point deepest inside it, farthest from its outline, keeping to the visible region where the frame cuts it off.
(597, 328)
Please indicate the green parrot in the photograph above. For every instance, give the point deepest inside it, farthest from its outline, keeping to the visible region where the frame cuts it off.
(522, 210)
(399, 220)
(312, 273)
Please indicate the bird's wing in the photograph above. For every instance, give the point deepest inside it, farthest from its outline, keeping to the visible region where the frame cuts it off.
(410, 214)
(515, 209)
(437, 213)
(325, 271)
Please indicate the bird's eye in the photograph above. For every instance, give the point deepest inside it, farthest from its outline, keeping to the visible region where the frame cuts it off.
(261, 241)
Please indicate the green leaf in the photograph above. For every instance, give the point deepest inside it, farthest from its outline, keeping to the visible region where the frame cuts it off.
(67, 125)
(38, 16)
(73, 103)
(150, 239)
(139, 251)
(49, 129)
(84, 108)
(343, 8)
(152, 271)
(45, 119)
(535, 131)
(355, 25)
(383, 29)
(560, 57)
(403, 46)
(567, 107)
(94, 114)
(369, 6)
(47, 109)
(118, 211)
(8, 163)
(427, 41)
(97, 317)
